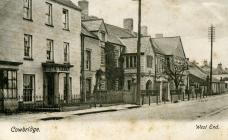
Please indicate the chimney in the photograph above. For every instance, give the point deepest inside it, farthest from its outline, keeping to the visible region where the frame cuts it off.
(84, 5)
(144, 31)
(128, 23)
(158, 35)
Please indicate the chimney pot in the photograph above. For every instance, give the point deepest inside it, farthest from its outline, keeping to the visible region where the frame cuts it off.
(128, 24)
(84, 5)
(144, 30)
(158, 35)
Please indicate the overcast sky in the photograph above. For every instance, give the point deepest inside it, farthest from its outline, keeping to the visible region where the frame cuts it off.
(189, 19)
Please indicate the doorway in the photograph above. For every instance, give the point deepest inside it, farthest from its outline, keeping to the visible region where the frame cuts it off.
(50, 89)
(165, 91)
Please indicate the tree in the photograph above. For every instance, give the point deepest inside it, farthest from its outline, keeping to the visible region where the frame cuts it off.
(174, 68)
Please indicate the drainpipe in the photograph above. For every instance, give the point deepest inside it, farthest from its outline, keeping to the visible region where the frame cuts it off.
(83, 68)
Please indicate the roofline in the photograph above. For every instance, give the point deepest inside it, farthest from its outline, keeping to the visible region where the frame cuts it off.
(75, 7)
(116, 44)
(182, 46)
(124, 30)
(87, 20)
(165, 37)
(135, 37)
(89, 36)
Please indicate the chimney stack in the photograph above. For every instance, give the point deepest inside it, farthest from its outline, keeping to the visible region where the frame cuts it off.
(158, 35)
(128, 24)
(84, 5)
(144, 31)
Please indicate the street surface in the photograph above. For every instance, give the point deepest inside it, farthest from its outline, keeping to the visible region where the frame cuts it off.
(177, 121)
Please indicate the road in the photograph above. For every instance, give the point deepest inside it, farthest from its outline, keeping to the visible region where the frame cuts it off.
(166, 122)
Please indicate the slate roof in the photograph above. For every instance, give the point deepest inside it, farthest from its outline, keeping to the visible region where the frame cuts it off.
(118, 31)
(168, 46)
(67, 3)
(85, 31)
(131, 44)
(200, 73)
(114, 39)
(93, 24)
(196, 71)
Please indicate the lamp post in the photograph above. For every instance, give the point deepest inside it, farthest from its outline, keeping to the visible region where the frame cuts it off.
(138, 96)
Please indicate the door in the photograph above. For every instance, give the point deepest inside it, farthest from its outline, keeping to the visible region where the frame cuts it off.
(165, 91)
(88, 88)
(50, 88)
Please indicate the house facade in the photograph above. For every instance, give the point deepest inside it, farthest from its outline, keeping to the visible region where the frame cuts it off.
(147, 63)
(94, 37)
(40, 54)
(169, 54)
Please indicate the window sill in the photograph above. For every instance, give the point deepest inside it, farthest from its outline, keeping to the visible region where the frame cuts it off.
(49, 25)
(27, 19)
(66, 29)
(27, 58)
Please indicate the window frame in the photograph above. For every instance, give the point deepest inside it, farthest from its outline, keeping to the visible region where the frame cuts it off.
(66, 52)
(32, 89)
(5, 84)
(88, 66)
(49, 14)
(27, 10)
(51, 50)
(30, 42)
(66, 22)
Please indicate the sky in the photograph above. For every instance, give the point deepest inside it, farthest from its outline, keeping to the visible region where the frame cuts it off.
(189, 19)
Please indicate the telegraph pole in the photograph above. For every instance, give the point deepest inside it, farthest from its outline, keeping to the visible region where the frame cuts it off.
(212, 40)
(138, 96)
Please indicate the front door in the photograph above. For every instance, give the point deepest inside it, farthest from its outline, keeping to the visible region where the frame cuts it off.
(50, 89)
(165, 91)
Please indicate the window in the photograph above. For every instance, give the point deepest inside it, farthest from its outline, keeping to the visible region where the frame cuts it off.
(27, 46)
(66, 52)
(88, 60)
(131, 61)
(8, 84)
(135, 61)
(49, 14)
(29, 87)
(127, 62)
(50, 50)
(116, 58)
(102, 56)
(65, 88)
(28, 9)
(65, 19)
(149, 61)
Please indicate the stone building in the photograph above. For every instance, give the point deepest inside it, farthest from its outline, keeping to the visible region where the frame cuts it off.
(147, 63)
(94, 37)
(39, 51)
(167, 48)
